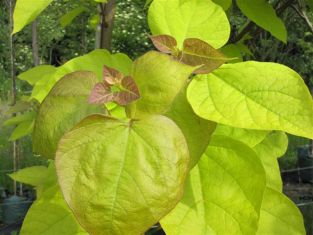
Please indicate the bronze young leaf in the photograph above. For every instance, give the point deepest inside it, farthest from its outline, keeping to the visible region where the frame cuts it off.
(197, 52)
(125, 89)
(129, 93)
(164, 43)
(111, 75)
(101, 93)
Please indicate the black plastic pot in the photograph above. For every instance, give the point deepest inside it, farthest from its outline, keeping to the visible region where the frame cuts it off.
(14, 209)
(305, 160)
(155, 230)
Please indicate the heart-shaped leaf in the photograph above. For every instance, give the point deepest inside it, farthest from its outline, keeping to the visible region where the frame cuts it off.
(134, 176)
(223, 193)
(254, 95)
(62, 109)
(160, 78)
(183, 19)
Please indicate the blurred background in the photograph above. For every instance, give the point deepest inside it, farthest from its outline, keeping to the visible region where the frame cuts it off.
(68, 28)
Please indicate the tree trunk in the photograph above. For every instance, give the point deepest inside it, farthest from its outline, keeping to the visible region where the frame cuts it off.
(35, 43)
(107, 12)
(13, 86)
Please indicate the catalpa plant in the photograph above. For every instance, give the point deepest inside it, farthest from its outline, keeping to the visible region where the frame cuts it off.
(184, 136)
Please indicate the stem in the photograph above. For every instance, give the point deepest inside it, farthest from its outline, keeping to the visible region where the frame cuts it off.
(304, 16)
(12, 53)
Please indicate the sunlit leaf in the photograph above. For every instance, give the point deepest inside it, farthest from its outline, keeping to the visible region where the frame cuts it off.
(223, 193)
(247, 136)
(26, 11)
(279, 215)
(272, 147)
(159, 78)
(128, 186)
(254, 95)
(200, 19)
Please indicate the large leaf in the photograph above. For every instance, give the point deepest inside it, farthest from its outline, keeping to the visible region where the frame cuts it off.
(183, 19)
(33, 75)
(223, 194)
(93, 62)
(159, 78)
(279, 215)
(262, 13)
(272, 147)
(248, 137)
(34, 175)
(26, 11)
(196, 130)
(64, 107)
(121, 177)
(263, 96)
(49, 214)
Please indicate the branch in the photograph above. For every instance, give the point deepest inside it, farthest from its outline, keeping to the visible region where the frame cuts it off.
(304, 16)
